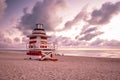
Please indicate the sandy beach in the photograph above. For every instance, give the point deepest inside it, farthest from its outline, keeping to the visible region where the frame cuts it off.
(14, 67)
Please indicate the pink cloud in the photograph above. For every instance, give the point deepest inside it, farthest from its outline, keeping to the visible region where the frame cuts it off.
(99, 17)
(105, 13)
(3, 6)
(5, 42)
(44, 12)
(106, 43)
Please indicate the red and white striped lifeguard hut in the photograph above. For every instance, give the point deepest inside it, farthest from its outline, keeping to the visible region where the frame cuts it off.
(38, 46)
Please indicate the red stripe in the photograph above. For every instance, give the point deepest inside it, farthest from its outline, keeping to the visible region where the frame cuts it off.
(43, 46)
(32, 42)
(38, 33)
(34, 37)
(43, 37)
(36, 53)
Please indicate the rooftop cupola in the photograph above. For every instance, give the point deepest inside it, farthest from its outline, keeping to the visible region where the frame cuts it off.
(39, 29)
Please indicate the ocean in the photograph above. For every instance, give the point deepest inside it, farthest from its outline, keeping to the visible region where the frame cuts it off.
(84, 53)
(91, 53)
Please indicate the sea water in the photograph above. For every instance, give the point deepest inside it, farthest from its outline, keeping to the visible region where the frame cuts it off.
(91, 53)
(86, 53)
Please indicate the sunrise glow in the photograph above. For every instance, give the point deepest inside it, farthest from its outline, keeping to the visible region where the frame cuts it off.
(75, 23)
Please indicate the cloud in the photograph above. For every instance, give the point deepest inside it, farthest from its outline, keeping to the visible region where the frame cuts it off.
(82, 15)
(88, 33)
(16, 40)
(112, 43)
(44, 12)
(97, 42)
(105, 43)
(61, 41)
(67, 42)
(98, 18)
(88, 30)
(90, 36)
(24, 40)
(105, 13)
(3, 6)
(5, 42)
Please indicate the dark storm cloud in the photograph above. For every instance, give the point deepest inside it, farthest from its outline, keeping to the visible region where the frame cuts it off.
(3, 6)
(105, 13)
(43, 12)
(82, 15)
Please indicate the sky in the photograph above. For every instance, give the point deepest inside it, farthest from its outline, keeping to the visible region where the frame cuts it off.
(71, 23)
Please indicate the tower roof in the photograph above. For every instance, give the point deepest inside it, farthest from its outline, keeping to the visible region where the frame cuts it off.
(39, 27)
(38, 31)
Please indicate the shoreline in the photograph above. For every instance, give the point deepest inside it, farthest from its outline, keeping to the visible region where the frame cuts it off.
(81, 53)
(71, 55)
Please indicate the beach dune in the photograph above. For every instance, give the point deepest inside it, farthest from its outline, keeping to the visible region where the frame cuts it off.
(15, 67)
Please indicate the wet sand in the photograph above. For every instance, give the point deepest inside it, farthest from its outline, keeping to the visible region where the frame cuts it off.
(14, 67)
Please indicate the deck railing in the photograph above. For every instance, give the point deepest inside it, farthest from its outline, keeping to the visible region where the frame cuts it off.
(41, 46)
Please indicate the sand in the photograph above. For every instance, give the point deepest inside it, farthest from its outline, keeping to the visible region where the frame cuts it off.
(14, 67)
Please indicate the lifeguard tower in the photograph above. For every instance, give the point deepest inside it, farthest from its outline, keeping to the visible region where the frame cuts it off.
(38, 46)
